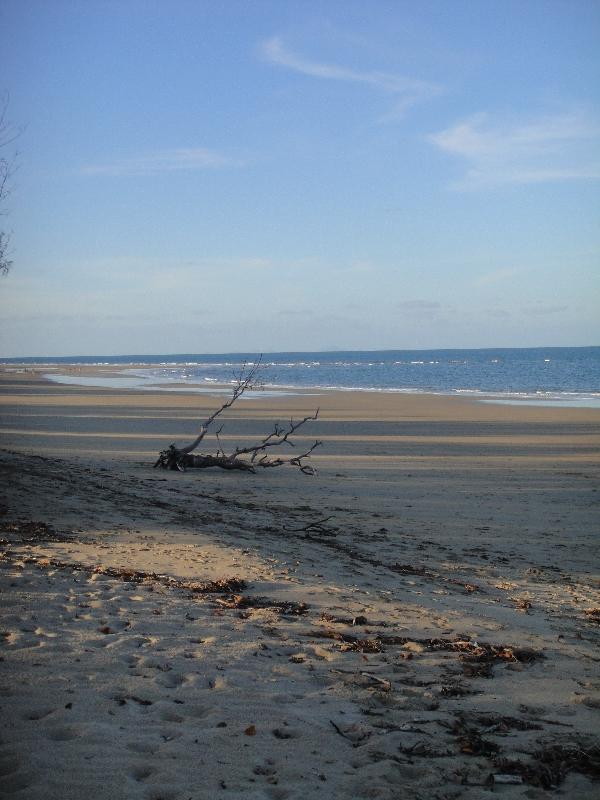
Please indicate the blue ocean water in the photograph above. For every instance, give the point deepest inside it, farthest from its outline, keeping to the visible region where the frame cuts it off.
(565, 375)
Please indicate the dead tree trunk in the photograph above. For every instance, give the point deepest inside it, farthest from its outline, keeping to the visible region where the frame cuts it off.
(246, 459)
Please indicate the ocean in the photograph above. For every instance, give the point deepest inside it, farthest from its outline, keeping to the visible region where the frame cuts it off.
(542, 375)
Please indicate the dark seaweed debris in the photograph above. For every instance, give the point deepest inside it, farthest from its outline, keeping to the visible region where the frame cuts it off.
(479, 657)
(286, 607)
(30, 531)
(424, 572)
(551, 764)
(470, 740)
(219, 586)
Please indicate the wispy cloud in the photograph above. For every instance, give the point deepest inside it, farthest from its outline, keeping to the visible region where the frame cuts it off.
(163, 161)
(408, 90)
(555, 147)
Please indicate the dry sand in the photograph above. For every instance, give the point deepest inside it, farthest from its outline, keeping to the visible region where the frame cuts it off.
(437, 638)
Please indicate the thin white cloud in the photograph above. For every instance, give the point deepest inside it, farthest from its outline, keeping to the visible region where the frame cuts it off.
(556, 147)
(409, 90)
(164, 161)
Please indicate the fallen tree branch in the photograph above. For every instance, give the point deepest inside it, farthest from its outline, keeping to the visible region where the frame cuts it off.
(245, 459)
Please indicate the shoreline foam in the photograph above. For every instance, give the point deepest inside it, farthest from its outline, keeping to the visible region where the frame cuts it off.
(136, 379)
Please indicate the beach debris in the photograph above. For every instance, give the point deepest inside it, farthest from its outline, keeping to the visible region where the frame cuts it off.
(513, 780)
(411, 569)
(470, 740)
(469, 650)
(247, 458)
(425, 572)
(521, 603)
(225, 586)
(358, 620)
(552, 763)
(317, 526)
(479, 669)
(593, 615)
(497, 723)
(354, 733)
(479, 659)
(30, 531)
(425, 750)
(348, 641)
(362, 646)
(280, 733)
(285, 608)
(219, 586)
(383, 683)
(250, 730)
(140, 700)
(429, 574)
(455, 690)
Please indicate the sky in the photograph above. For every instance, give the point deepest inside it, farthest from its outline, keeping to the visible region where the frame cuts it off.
(199, 177)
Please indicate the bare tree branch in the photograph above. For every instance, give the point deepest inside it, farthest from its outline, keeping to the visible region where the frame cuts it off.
(244, 381)
(181, 458)
(8, 166)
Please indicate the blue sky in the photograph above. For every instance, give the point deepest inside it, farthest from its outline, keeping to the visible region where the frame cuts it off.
(212, 177)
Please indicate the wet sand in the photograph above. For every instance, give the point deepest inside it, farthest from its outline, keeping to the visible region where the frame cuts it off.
(436, 636)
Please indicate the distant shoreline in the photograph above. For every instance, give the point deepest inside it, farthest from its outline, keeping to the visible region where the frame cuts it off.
(141, 359)
(120, 376)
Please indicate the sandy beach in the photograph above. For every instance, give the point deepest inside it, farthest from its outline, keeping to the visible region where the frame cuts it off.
(172, 636)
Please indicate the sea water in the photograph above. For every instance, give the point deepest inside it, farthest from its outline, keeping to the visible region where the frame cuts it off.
(544, 375)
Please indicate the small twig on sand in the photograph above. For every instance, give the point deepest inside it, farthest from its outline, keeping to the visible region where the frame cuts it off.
(386, 685)
(354, 740)
(317, 526)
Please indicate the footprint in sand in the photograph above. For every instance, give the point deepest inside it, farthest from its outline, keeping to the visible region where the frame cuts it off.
(170, 716)
(171, 680)
(40, 713)
(62, 733)
(141, 772)
(197, 711)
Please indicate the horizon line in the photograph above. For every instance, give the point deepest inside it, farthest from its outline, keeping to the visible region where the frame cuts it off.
(133, 356)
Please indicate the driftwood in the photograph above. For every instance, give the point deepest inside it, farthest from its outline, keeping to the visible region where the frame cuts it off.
(246, 459)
